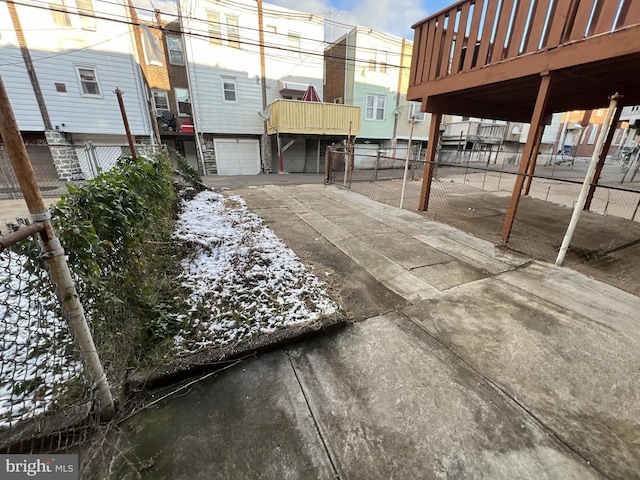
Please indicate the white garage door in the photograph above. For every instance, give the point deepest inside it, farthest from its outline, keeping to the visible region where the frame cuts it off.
(236, 156)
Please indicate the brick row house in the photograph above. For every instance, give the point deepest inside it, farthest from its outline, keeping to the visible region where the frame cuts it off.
(370, 69)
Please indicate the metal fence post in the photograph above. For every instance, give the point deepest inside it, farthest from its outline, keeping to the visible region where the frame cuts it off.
(53, 253)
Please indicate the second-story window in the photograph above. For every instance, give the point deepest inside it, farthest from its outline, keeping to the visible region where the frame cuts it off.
(379, 61)
(229, 89)
(59, 13)
(174, 46)
(184, 102)
(87, 14)
(160, 101)
(233, 33)
(375, 107)
(293, 39)
(89, 81)
(213, 25)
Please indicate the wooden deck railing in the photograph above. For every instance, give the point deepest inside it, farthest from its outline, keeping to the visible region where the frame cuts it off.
(313, 118)
(471, 34)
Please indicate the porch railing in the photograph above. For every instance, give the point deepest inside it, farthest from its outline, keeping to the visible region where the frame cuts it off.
(471, 34)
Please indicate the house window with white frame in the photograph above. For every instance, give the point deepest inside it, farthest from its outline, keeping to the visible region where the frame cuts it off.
(229, 89)
(375, 107)
(593, 135)
(293, 39)
(160, 101)
(183, 101)
(213, 24)
(59, 13)
(233, 32)
(414, 109)
(87, 14)
(89, 81)
(174, 47)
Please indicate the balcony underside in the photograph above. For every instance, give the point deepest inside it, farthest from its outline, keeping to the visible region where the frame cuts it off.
(584, 74)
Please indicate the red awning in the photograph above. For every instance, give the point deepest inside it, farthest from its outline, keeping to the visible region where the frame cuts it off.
(311, 95)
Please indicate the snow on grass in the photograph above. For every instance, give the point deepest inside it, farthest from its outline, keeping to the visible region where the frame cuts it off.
(244, 280)
(34, 366)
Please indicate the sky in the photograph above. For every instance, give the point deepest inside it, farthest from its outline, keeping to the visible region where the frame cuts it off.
(389, 16)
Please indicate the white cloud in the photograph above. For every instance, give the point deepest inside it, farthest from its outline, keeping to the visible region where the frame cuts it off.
(389, 16)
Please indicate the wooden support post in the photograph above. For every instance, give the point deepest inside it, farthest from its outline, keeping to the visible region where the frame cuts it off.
(536, 123)
(534, 159)
(603, 156)
(118, 93)
(432, 146)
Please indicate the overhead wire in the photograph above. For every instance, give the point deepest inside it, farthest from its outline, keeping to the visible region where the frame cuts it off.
(200, 33)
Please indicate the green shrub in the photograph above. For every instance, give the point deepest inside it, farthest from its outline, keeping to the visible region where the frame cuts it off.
(116, 230)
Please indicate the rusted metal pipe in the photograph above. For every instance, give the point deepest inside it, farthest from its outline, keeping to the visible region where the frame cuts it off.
(19, 235)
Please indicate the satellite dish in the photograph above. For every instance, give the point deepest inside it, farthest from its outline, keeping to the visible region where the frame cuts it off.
(515, 131)
(265, 114)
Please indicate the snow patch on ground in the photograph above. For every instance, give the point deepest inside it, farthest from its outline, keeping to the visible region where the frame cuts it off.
(36, 348)
(244, 280)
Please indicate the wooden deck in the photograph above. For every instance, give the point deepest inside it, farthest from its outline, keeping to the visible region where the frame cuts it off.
(484, 58)
(522, 60)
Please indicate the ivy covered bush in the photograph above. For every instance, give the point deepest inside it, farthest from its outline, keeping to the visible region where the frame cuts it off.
(116, 230)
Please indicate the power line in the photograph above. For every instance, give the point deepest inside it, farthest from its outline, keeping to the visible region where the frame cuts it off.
(192, 34)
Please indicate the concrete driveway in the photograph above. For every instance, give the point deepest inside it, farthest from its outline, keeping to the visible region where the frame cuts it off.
(462, 361)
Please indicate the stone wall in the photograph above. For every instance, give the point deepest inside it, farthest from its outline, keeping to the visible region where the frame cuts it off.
(64, 155)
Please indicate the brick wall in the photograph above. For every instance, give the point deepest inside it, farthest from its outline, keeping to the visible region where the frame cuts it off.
(335, 60)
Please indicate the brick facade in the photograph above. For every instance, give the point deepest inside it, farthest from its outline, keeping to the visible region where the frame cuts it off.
(336, 62)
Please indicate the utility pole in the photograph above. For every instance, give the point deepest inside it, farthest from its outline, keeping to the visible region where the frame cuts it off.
(53, 253)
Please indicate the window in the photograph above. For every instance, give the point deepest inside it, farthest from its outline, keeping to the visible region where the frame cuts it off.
(592, 135)
(293, 39)
(59, 13)
(174, 45)
(89, 81)
(229, 89)
(87, 14)
(382, 59)
(215, 33)
(183, 101)
(160, 101)
(414, 109)
(233, 34)
(375, 107)
(379, 61)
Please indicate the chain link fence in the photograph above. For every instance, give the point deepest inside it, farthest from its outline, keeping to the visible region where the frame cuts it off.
(56, 165)
(46, 396)
(471, 191)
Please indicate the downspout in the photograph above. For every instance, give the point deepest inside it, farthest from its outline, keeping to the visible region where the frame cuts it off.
(196, 130)
(396, 112)
(266, 142)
